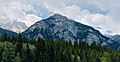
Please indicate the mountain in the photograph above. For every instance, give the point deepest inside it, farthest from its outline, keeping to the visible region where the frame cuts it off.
(10, 33)
(59, 27)
(115, 38)
(14, 26)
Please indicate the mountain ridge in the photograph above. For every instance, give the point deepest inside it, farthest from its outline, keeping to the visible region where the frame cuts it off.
(8, 32)
(14, 26)
(59, 27)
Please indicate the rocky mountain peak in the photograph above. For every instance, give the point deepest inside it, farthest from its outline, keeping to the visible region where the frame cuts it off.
(57, 17)
(14, 26)
(58, 27)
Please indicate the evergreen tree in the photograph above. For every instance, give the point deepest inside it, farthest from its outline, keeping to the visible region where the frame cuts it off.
(28, 53)
(105, 57)
(75, 58)
(17, 58)
(9, 52)
(21, 49)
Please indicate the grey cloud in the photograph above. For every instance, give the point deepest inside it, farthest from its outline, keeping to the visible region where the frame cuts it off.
(100, 13)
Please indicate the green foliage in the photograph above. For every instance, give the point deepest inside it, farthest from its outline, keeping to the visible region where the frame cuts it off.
(8, 53)
(105, 57)
(17, 58)
(21, 49)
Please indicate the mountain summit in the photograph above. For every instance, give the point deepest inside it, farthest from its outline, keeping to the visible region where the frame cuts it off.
(14, 26)
(59, 27)
(58, 16)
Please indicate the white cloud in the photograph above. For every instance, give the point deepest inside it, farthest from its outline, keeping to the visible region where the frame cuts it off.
(31, 19)
(106, 22)
(15, 10)
(100, 13)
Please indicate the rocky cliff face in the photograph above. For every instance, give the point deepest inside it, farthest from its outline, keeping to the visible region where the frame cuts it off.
(115, 38)
(59, 27)
(15, 26)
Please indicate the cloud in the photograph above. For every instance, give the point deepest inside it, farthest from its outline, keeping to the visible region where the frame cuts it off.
(30, 19)
(15, 10)
(96, 13)
(115, 13)
(108, 22)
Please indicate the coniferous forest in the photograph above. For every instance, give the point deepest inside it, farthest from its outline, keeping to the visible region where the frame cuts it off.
(21, 49)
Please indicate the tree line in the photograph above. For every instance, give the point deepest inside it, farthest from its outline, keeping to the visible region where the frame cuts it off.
(21, 49)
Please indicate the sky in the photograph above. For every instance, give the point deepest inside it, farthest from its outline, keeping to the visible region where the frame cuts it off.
(103, 15)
